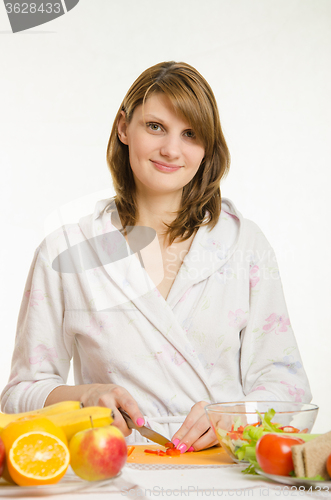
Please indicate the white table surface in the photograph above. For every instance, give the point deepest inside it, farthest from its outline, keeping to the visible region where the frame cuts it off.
(136, 482)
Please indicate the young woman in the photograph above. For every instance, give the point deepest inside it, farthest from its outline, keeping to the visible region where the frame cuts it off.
(171, 299)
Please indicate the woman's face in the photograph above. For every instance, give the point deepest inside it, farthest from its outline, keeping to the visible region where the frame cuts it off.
(163, 149)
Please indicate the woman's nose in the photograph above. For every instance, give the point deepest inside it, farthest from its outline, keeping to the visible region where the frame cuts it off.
(171, 147)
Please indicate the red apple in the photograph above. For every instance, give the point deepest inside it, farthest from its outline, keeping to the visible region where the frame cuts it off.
(98, 453)
(2, 456)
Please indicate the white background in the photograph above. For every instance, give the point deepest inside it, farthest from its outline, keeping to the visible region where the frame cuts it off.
(268, 62)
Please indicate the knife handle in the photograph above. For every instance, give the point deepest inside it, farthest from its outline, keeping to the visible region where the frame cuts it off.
(128, 419)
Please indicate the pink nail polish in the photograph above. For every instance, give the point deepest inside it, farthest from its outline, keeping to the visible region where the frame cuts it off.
(140, 421)
(182, 448)
(175, 441)
(191, 448)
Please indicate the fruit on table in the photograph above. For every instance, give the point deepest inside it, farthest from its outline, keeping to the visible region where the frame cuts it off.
(328, 465)
(2, 457)
(25, 425)
(274, 454)
(98, 453)
(62, 407)
(75, 421)
(38, 458)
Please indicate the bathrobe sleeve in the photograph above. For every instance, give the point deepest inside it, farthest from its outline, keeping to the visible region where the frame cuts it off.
(271, 367)
(41, 357)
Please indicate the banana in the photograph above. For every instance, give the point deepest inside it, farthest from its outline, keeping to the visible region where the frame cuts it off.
(55, 409)
(75, 421)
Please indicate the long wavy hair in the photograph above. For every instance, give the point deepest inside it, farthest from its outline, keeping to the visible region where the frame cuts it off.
(193, 99)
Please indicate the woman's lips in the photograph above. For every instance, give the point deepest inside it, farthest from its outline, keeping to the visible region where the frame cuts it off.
(165, 167)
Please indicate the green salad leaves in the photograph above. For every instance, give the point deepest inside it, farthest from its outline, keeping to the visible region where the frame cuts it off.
(252, 434)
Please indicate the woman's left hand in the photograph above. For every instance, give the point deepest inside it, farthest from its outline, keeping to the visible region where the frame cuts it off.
(195, 433)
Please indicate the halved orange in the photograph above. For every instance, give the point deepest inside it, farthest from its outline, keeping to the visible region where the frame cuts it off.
(36, 458)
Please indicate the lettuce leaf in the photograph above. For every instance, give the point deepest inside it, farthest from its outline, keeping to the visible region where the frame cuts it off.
(251, 469)
(266, 423)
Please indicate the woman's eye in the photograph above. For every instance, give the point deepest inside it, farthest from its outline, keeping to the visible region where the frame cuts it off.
(190, 134)
(155, 127)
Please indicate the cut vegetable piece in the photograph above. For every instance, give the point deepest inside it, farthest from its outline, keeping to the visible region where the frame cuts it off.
(169, 452)
(289, 428)
(172, 452)
(156, 452)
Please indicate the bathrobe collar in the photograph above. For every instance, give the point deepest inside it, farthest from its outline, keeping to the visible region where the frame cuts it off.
(209, 251)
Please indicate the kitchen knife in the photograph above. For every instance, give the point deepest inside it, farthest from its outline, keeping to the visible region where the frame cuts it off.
(146, 432)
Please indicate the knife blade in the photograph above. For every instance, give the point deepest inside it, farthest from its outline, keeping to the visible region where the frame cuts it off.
(146, 432)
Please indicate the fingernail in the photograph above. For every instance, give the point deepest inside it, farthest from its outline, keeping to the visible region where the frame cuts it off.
(140, 421)
(191, 448)
(175, 441)
(182, 448)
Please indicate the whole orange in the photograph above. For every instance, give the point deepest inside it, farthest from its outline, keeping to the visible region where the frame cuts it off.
(328, 465)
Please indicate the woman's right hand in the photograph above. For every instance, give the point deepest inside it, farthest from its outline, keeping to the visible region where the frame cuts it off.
(113, 396)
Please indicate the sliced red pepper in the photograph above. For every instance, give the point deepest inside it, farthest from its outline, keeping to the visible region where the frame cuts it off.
(160, 453)
(289, 428)
(235, 435)
(170, 452)
(173, 452)
(154, 452)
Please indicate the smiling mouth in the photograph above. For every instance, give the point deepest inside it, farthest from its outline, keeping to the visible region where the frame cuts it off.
(165, 166)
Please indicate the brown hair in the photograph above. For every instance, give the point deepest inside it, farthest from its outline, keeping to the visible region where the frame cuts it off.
(194, 100)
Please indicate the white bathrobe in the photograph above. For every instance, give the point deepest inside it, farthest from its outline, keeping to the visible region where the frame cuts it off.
(223, 334)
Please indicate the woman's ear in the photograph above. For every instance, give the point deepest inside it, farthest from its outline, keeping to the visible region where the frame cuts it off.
(122, 127)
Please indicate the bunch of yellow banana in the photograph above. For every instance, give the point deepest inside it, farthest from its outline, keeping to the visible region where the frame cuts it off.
(70, 415)
(75, 421)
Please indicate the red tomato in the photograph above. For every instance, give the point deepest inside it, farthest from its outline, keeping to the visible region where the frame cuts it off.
(328, 465)
(274, 455)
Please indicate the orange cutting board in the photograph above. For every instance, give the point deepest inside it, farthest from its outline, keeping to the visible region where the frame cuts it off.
(215, 455)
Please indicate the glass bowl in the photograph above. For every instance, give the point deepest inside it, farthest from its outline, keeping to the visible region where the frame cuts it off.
(230, 419)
